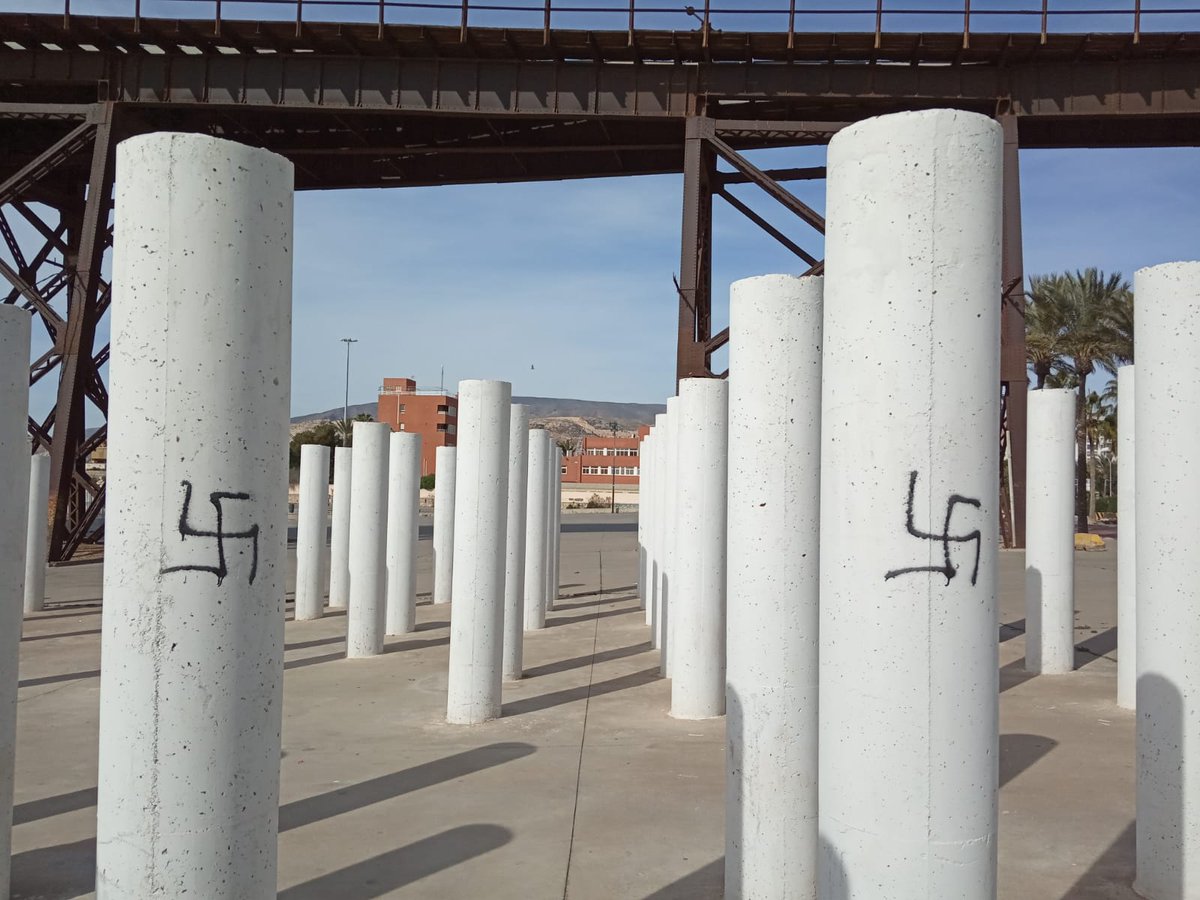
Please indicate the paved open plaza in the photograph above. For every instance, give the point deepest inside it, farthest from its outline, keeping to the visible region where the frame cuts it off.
(585, 788)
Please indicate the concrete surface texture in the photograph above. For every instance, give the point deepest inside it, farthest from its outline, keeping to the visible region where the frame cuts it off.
(14, 499)
(311, 530)
(773, 612)
(1127, 559)
(36, 531)
(1167, 393)
(339, 525)
(366, 617)
(195, 522)
(910, 363)
(380, 798)
(1050, 532)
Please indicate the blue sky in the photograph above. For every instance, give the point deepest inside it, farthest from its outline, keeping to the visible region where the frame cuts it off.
(574, 278)
(564, 288)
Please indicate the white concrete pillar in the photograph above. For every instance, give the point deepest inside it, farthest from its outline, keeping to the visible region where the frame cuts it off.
(537, 526)
(1050, 533)
(339, 528)
(404, 500)
(480, 523)
(556, 526)
(514, 557)
(666, 622)
(646, 524)
(196, 521)
(552, 502)
(311, 529)
(1167, 400)
(1126, 542)
(910, 467)
(445, 464)
(658, 538)
(36, 532)
(14, 495)
(773, 611)
(366, 618)
(698, 685)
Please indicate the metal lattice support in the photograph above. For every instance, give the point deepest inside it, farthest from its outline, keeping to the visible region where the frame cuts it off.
(61, 283)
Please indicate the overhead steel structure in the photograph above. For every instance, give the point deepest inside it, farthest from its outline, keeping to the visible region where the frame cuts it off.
(390, 105)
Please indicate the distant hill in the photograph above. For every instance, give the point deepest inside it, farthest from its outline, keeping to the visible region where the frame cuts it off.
(539, 408)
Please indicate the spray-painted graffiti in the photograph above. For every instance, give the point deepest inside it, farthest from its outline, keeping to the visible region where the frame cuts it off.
(187, 530)
(947, 569)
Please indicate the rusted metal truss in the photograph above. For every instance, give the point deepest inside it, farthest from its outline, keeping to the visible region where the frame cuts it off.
(62, 197)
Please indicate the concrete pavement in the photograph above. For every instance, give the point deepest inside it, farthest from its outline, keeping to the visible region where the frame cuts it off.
(586, 789)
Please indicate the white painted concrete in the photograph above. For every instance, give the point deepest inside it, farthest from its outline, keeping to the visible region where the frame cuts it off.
(658, 562)
(404, 499)
(366, 618)
(556, 525)
(480, 523)
(1167, 399)
(698, 686)
(443, 523)
(908, 675)
(14, 495)
(666, 623)
(311, 528)
(514, 556)
(553, 501)
(646, 524)
(537, 527)
(339, 528)
(773, 611)
(192, 645)
(1050, 533)
(36, 532)
(1126, 540)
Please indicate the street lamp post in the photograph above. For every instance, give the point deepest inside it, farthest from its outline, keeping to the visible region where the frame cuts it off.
(346, 402)
(612, 501)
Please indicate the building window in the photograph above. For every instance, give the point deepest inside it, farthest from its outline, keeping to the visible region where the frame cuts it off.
(400, 409)
(563, 470)
(401, 426)
(452, 411)
(442, 426)
(443, 409)
(451, 429)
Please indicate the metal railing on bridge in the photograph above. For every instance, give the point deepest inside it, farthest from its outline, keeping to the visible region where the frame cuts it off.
(1043, 17)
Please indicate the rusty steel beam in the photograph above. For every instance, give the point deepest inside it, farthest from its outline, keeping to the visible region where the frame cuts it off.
(1012, 331)
(767, 227)
(72, 511)
(693, 358)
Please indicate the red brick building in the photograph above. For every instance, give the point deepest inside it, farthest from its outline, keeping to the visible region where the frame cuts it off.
(596, 457)
(431, 414)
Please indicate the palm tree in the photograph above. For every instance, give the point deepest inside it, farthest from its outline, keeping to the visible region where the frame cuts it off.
(1046, 323)
(1100, 425)
(1086, 311)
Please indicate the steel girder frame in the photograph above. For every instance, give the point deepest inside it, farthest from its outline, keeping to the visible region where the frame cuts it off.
(73, 176)
(696, 342)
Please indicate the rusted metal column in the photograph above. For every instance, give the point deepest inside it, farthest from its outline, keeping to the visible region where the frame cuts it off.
(76, 345)
(695, 258)
(1012, 330)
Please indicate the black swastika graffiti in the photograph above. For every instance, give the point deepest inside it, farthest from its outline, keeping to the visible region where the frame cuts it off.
(187, 530)
(948, 569)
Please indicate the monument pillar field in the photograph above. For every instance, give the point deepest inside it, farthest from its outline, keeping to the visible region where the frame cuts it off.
(311, 528)
(443, 524)
(367, 614)
(404, 499)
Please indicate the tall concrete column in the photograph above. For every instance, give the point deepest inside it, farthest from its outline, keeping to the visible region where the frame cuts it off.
(773, 611)
(551, 539)
(537, 526)
(404, 500)
(642, 518)
(910, 467)
(654, 615)
(1167, 401)
(195, 531)
(1126, 541)
(698, 686)
(36, 532)
(514, 557)
(339, 528)
(1050, 533)
(666, 622)
(311, 529)
(480, 523)
(366, 618)
(443, 523)
(14, 495)
(556, 525)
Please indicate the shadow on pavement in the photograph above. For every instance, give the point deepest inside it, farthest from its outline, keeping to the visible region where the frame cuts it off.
(1019, 752)
(55, 873)
(56, 679)
(386, 787)
(389, 871)
(1095, 647)
(582, 692)
(579, 661)
(33, 810)
(707, 882)
(1111, 875)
